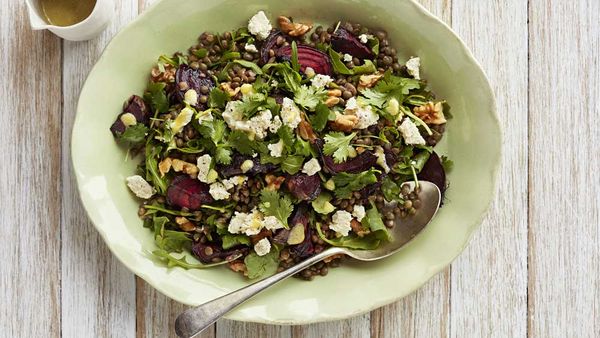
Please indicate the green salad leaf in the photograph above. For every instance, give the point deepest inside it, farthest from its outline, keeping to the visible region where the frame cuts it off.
(229, 241)
(182, 262)
(390, 86)
(322, 204)
(309, 96)
(346, 183)
(259, 266)
(292, 164)
(134, 135)
(217, 98)
(152, 175)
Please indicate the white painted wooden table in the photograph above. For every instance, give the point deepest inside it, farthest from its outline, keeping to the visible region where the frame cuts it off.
(532, 269)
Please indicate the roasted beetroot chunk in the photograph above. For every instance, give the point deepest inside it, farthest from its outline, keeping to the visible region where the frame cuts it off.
(304, 187)
(269, 44)
(136, 106)
(234, 168)
(307, 57)
(306, 248)
(433, 171)
(186, 192)
(195, 80)
(212, 252)
(344, 42)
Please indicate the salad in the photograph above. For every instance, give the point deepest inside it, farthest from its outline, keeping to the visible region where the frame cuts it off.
(264, 145)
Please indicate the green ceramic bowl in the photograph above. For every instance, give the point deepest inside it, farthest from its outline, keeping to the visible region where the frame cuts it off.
(473, 141)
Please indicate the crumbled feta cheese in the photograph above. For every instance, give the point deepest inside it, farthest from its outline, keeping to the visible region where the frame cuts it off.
(233, 181)
(262, 247)
(246, 165)
(257, 126)
(413, 67)
(138, 185)
(347, 57)
(311, 167)
(128, 119)
(381, 159)
(260, 25)
(309, 72)
(218, 191)
(272, 223)
(364, 38)
(290, 114)
(183, 118)
(191, 97)
(359, 212)
(365, 114)
(247, 223)
(321, 81)
(276, 149)
(340, 222)
(250, 48)
(203, 163)
(275, 124)
(411, 133)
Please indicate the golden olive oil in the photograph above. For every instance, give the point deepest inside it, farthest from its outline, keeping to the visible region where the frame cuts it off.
(66, 12)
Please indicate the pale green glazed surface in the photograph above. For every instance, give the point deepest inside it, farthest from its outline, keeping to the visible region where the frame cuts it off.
(473, 141)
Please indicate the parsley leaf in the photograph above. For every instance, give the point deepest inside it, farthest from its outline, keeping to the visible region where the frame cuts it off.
(338, 144)
(320, 118)
(274, 204)
(309, 97)
(155, 95)
(134, 135)
(217, 98)
(390, 86)
(286, 134)
(259, 266)
(239, 141)
(223, 155)
(252, 104)
(346, 183)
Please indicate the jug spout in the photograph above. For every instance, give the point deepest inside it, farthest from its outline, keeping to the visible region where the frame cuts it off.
(35, 19)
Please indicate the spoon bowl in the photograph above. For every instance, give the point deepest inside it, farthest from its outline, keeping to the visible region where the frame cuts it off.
(193, 321)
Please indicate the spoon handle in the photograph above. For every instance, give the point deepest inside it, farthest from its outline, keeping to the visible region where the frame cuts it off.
(192, 321)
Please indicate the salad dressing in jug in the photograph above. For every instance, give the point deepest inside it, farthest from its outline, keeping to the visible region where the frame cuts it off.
(66, 12)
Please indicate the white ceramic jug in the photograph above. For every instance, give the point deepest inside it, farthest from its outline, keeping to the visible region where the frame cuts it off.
(91, 26)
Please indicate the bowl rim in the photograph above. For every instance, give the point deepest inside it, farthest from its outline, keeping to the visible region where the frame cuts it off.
(495, 169)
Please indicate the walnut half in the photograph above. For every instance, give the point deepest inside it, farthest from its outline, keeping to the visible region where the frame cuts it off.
(431, 113)
(344, 123)
(368, 81)
(293, 28)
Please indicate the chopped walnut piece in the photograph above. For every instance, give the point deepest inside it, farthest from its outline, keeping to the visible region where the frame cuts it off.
(165, 166)
(178, 166)
(226, 87)
(238, 266)
(305, 130)
(334, 92)
(332, 101)
(431, 113)
(358, 228)
(167, 76)
(368, 81)
(293, 28)
(344, 122)
(274, 182)
(185, 224)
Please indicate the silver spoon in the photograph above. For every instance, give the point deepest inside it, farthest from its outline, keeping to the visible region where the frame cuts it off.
(192, 321)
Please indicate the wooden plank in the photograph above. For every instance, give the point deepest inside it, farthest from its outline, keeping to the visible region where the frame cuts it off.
(98, 292)
(355, 327)
(29, 177)
(564, 180)
(425, 313)
(489, 280)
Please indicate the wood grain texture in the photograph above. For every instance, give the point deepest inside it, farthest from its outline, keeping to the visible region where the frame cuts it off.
(564, 179)
(426, 312)
(489, 280)
(98, 292)
(30, 113)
